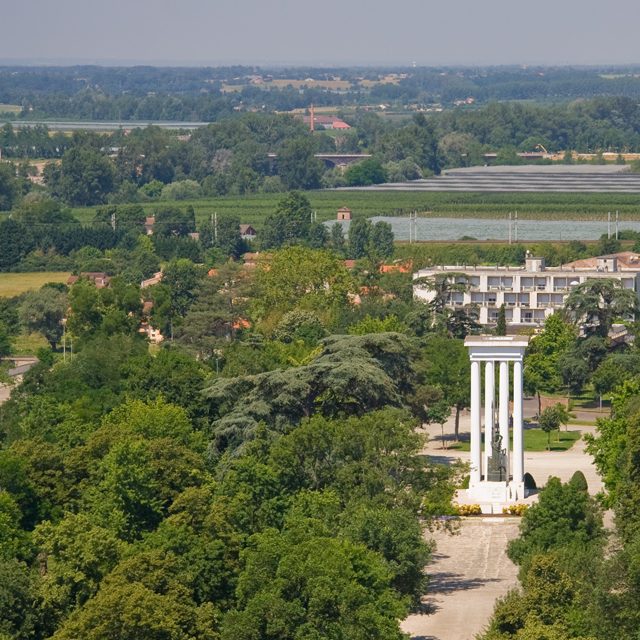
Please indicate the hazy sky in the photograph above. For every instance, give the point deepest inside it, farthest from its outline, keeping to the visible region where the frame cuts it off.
(327, 31)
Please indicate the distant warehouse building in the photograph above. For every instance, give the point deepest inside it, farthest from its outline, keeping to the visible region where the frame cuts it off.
(529, 293)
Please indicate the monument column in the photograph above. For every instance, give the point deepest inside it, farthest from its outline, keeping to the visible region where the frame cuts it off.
(476, 427)
(518, 449)
(490, 485)
(489, 397)
(503, 412)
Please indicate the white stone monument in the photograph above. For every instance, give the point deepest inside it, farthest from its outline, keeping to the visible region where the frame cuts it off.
(497, 474)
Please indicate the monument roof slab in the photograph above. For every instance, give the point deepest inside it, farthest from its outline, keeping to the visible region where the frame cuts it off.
(502, 348)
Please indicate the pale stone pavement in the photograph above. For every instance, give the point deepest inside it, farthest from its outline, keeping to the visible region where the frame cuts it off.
(469, 571)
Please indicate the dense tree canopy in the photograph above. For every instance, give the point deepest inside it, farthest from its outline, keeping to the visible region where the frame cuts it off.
(84, 177)
(596, 303)
(258, 474)
(43, 311)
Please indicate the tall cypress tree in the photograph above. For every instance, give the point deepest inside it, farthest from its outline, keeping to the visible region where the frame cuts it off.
(501, 326)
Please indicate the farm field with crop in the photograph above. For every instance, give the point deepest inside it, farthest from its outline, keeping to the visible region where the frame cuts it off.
(10, 108)
(253, 208)
(13, 284)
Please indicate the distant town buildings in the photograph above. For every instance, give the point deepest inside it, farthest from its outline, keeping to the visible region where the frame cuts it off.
(153, 280)
(397, 267)
(529, 293)
(252, 259)
(326, 122)
(153, 335)
(99, 278)
(247, 232)
(344, 213)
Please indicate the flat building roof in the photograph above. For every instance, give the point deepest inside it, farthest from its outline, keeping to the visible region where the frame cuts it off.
(496, 341)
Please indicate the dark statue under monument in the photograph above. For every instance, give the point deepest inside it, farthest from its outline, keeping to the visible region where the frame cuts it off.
(497, 463)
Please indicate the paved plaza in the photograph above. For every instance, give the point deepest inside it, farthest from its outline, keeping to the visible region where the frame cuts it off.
(540, 464)
(468, 573)
(470, 570)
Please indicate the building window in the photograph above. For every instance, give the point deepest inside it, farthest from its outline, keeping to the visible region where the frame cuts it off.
(526, 284)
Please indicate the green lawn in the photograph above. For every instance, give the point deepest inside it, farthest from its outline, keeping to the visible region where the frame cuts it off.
(591, 423)
(535, 440)
(13, 284)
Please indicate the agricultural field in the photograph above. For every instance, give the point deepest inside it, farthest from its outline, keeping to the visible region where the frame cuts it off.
(333, 84)
(318, 110)
(282, 83)
(253, 209)
(13, 284)
(13, 109)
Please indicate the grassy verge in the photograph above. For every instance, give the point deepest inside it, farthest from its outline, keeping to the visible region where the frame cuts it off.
(535, 440)
(13, 284)
(589, 402)
(587, 423)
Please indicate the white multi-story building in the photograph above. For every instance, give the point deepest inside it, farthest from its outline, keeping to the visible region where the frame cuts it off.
(531, 292)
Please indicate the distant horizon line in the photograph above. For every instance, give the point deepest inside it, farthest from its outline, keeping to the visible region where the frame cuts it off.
(201, 64)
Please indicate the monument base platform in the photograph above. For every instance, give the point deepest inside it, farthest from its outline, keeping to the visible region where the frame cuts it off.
(493, 497)
(489, 492)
